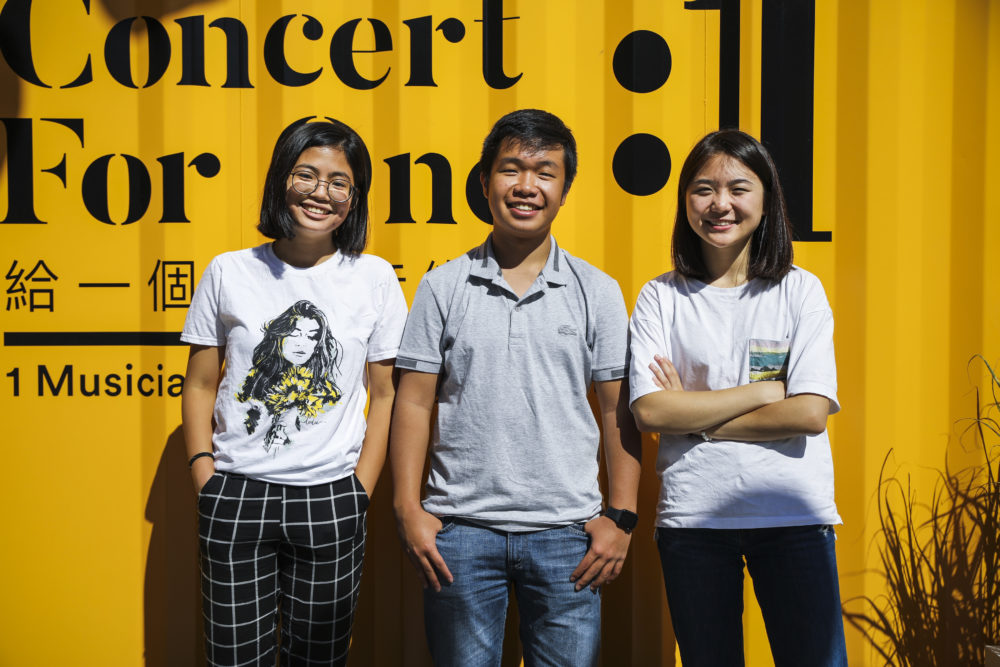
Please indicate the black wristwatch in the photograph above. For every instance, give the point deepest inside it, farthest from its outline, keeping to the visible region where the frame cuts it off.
(623, 518)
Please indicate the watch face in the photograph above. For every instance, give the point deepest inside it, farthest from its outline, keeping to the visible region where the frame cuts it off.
(624, 519)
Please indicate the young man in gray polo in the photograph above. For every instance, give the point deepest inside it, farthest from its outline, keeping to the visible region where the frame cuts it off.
(506, 340)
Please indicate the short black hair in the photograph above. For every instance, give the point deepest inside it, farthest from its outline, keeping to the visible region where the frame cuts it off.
(771, 243)
(276, 222)
(532, 129)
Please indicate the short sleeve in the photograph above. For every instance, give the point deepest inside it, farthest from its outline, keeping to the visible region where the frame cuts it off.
(420, 349)
(812, 368)
(203, 325)
(610, 354)
(647, 337)
(385, 338)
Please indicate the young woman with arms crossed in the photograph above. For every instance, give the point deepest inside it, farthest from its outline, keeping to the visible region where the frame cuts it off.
(732, 364)
(280, 452)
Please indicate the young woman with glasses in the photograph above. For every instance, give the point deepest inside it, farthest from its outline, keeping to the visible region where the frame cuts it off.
(288, 341)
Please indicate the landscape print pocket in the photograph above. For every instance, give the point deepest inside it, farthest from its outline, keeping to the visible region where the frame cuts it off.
(768, 360)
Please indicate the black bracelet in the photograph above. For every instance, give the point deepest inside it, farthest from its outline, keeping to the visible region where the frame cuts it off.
(198, 456)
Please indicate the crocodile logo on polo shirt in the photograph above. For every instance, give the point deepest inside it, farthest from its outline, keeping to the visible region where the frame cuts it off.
(566, 330)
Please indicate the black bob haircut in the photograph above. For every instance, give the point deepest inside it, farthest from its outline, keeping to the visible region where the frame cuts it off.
(276, 222)
(534, 130)
(771, 243)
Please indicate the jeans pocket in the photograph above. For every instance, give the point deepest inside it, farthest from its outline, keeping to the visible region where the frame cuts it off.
(578, 529)
(447, 525)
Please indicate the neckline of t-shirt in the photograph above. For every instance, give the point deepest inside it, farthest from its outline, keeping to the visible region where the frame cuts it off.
(736, 290)
(329, 262)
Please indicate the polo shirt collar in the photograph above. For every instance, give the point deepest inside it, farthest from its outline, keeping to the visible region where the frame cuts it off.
(486, 266)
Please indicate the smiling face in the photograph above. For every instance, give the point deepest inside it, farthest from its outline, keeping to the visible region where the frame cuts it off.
(316, 214)
(298, 346)
(525, 190)
(725, 204)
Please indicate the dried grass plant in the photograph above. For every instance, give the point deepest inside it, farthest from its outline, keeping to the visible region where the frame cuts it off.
(940, 559)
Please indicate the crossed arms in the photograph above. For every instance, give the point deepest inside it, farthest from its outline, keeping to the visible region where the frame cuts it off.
(755, 412)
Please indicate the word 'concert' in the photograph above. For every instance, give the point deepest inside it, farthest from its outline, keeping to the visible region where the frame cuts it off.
(16, 18)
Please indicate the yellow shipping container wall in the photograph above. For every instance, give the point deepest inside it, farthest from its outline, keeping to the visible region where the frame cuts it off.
(134, 140)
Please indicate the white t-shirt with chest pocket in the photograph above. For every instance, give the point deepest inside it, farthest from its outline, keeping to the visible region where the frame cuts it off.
(724, 337)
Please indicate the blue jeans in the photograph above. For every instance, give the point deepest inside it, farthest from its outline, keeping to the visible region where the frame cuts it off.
(794, 571)
(465, 621)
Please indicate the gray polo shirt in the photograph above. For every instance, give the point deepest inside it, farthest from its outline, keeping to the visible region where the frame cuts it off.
(516, 445)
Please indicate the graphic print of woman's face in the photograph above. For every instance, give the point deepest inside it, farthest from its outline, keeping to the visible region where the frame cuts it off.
(298, 346)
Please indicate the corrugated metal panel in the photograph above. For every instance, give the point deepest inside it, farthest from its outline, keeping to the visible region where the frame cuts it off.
(906, 127)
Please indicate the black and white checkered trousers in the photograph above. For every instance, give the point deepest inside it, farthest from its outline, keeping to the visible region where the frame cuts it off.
(270, 550)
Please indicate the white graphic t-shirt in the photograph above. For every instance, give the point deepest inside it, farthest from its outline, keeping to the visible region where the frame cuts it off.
(290, 407)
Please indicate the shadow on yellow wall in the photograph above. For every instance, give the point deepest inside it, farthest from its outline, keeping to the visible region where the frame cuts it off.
(172, 590)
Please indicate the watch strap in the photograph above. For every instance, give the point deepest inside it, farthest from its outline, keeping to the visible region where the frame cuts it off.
(624, 519)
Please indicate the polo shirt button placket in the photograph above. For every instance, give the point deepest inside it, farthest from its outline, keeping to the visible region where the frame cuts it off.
(518, 318)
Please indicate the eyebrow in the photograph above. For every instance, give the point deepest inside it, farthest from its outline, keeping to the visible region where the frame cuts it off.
(551, 164)
(709, 181)
(306, 165)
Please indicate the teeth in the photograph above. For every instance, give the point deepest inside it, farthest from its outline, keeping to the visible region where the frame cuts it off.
(524, 207)
(314, 209)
